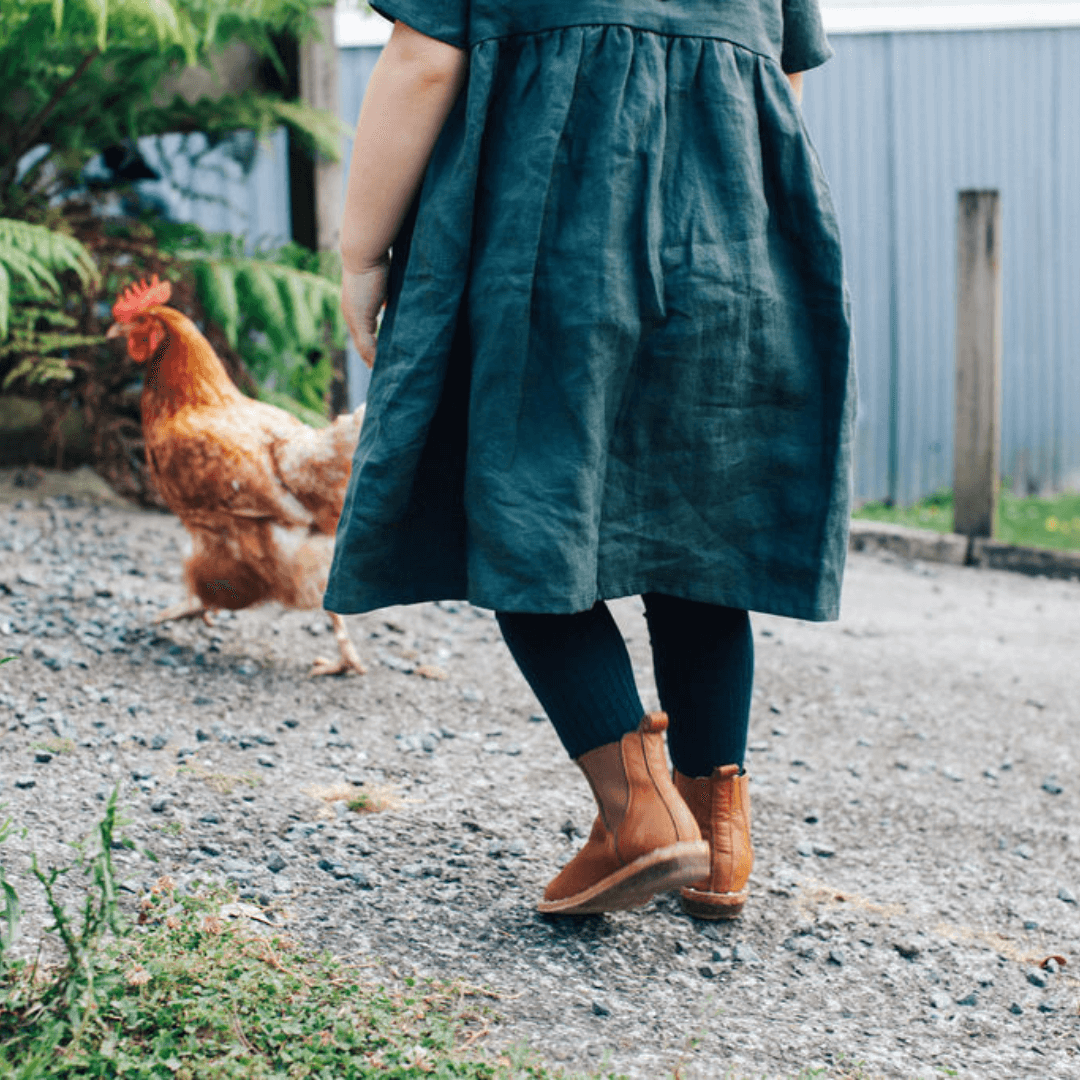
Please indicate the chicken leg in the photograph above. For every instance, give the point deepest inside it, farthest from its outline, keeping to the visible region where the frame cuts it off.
(348, 661)
(190, 608)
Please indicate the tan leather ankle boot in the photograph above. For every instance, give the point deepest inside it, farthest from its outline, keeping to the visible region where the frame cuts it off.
(644, 840)
(721, 806)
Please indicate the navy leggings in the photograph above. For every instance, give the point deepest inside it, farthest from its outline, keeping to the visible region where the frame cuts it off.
(703, 660)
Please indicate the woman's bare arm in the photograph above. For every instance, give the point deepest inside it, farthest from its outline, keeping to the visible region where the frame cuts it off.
(796, 85)
(412, 88)
(410, 94)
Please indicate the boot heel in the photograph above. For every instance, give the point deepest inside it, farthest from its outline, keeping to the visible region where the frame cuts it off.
(638, 882)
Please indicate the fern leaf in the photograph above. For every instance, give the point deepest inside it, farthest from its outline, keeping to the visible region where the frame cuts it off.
(5, 301)
(100, 8)
(38, 369)
(216, 282)
(164, 17)
(262, 302)
(35, 273)
(295, 296)
(53, 250)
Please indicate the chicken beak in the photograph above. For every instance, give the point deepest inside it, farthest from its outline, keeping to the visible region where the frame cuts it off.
(118, 330)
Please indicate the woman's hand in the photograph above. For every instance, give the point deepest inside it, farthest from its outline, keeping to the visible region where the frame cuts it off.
(363, 294)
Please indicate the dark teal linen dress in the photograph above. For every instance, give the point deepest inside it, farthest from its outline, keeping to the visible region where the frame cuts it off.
(616, 356)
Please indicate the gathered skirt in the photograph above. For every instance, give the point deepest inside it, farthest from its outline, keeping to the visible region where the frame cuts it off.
(617, 353)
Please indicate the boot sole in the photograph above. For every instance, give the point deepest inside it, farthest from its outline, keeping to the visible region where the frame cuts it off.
(637, 882)
(712, 905)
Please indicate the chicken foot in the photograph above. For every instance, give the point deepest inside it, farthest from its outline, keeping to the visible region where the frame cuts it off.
(190, 608)
(349, 659)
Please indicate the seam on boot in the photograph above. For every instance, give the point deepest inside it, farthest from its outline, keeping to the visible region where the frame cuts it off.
(659, 790)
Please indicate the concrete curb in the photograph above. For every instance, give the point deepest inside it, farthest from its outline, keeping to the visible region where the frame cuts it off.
(959, 550)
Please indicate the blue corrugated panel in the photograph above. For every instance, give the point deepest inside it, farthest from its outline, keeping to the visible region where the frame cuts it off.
(903, 122)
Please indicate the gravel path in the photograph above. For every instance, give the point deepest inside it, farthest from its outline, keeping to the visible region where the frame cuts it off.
(914, 779)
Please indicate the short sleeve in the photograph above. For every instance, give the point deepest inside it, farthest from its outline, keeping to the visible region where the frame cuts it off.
(445, 20)
(805, 44)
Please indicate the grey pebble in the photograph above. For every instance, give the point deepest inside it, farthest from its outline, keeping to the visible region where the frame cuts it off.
(1037, 977)
(1066, 895)
(266, 762)
(745, 954)
(43, 757)
(1050, 1005)
(968, 999)
(25, 782)
(908, 948)
(275, 864)
(1051, 786)
(1016, 1009)
(600, 1009)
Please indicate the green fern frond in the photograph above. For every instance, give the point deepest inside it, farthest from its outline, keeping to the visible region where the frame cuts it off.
(34, 254)
(289, 306)
(38, 369)
(27, 315)
(262, 302)
(37, 277)
(48, 248)
(216, 283)
(23, 341)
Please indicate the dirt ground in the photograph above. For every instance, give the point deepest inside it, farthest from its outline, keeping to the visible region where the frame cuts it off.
(914, 788)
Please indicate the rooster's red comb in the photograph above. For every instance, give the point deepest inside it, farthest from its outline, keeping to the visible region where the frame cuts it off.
(136, 298)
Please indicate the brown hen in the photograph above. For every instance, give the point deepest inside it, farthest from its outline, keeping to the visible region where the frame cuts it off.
(259, 491)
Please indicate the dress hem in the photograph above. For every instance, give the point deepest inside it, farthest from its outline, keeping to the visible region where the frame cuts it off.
(569, 605)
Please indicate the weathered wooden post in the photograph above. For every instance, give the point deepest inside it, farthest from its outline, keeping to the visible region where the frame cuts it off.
(319, 87)
(977, 448)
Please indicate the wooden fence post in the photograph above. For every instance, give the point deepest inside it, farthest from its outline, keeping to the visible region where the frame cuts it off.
(977, 448)
(319, 87)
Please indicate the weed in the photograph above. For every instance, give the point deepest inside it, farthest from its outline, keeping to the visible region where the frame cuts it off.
(204, 987)
(360, 803)
(55, 746)
(369, 801)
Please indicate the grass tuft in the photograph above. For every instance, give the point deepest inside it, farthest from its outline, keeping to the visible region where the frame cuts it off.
(203, 987)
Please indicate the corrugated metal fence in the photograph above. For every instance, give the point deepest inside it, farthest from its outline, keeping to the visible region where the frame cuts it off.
(902, 122)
